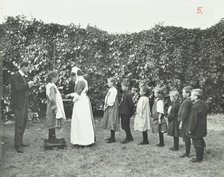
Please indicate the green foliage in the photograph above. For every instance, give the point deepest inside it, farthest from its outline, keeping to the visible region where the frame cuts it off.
(164, 55)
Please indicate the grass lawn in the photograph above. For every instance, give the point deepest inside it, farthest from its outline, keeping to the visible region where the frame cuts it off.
(111, 160)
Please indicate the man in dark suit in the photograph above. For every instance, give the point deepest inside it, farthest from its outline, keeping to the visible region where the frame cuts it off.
(126, 111)
(19, 103)
(197, 128)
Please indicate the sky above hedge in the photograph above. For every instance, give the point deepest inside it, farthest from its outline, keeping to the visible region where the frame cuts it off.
(118, 16)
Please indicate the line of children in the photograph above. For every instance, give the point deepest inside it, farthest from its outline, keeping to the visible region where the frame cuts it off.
(186, 119)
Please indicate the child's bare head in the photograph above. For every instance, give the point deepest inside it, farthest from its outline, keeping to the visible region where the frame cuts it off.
(196, 94)
(186, 91)
(158, 92)
(174, 95)
(52, 77)
(144, 91)
(125, 85)
(111, 82)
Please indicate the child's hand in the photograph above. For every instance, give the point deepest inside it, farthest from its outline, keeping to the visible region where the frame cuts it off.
(159, 121)
(68, 95)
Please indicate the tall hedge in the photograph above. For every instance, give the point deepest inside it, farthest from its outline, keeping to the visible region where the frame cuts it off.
(165, 55)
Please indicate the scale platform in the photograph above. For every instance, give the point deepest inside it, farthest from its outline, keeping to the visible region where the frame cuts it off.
(61, 144)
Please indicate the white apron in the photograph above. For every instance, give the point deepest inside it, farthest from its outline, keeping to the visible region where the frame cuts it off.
(82, 126)
(60, 106)
(59, 102)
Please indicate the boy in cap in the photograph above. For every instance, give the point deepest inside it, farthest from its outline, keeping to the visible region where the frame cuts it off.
(183, 118)
(197, 128)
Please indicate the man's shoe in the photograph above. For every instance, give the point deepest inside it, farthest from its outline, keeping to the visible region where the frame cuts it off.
(185, 155)
(195, 160)
(19, 149)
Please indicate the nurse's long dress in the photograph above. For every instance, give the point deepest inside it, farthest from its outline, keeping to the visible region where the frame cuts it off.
(82, 124)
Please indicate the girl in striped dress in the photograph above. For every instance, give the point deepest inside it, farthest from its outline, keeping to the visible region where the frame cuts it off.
(111, 110)
(157, 120)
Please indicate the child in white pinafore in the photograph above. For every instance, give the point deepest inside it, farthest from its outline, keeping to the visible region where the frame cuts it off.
(55, 108)
(142, 117)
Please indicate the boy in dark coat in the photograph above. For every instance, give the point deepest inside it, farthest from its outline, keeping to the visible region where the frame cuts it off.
(183, 117)
(126, 110)
(173, 123)
(197, 128)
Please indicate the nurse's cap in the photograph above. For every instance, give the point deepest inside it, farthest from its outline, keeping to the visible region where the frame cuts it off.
(75, 69)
